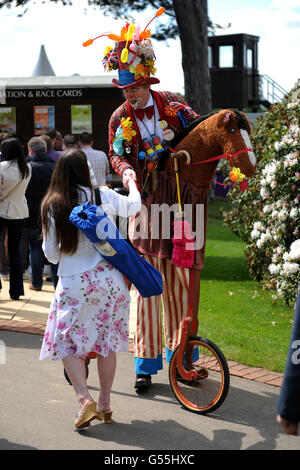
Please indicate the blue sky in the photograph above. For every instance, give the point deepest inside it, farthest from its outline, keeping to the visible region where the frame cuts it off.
(63, 29)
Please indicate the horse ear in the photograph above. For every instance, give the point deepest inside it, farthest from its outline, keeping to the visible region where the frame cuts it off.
(224, 119)
(227, 117)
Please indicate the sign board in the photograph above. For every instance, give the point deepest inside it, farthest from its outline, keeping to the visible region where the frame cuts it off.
(81, 118)
(42, 93)
(43, 118)
(8, 119)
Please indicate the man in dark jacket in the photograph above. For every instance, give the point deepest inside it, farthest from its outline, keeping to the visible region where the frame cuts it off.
(288, 408)
(42, 169)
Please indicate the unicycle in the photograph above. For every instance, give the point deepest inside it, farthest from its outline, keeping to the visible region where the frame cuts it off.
(198, 372)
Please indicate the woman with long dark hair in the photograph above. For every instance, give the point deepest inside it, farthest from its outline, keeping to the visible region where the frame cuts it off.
(90, 308)
(15, 174)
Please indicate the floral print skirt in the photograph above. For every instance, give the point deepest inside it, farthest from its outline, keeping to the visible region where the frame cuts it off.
(88, 313)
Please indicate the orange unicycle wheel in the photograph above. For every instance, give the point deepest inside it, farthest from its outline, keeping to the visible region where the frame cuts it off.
(208, 390)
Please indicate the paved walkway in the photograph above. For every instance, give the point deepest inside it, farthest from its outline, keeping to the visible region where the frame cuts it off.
(29, 315)
(38, 407)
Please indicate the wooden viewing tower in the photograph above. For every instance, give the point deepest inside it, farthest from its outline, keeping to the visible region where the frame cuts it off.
(234, 72)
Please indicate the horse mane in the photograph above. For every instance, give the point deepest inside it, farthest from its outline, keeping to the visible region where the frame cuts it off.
(190, 126)
(241, 120)
(179, 137)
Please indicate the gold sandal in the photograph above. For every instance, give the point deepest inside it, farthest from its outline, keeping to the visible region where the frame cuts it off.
(104, 416)
(86, 415)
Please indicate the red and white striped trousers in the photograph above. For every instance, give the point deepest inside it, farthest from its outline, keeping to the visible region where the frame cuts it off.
(175, 297)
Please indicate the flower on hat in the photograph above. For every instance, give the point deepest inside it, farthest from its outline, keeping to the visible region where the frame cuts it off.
(109, 60)
(145, 34)
(145, 49)
(140, 71)
(137, 52)
(107, 51)
(150, 65)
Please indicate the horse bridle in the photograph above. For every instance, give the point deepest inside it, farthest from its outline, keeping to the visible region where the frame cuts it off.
(186, 154)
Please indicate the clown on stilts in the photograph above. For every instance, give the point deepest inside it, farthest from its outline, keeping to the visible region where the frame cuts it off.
(141, 130)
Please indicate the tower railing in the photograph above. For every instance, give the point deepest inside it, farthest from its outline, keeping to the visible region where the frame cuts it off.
(270, 90)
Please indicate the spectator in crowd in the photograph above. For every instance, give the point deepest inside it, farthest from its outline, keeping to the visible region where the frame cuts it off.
(3, 252)
(70, 142)
(57, 140)
(42, 169)
(15, 175)
(80, 323)
(24, 242)
(3, 136)
(97, 159)
(53, 154)
(4, 266)
(4, 258)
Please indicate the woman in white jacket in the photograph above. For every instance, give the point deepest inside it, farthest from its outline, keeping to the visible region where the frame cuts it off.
(90, 308)
(15, 174)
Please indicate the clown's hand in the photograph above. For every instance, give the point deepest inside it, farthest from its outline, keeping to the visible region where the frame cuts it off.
(127, 175)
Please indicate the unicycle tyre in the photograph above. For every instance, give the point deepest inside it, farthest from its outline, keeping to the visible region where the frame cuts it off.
(208, 392)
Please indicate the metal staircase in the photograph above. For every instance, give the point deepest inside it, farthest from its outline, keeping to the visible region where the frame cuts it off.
(269, 91)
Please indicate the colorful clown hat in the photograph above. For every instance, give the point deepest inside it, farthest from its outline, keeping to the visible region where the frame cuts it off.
(133, 55)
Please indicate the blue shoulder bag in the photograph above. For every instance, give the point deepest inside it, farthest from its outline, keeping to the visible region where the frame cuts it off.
(109, 242)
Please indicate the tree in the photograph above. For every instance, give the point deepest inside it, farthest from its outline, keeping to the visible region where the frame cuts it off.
(188, 19)
(192, 24)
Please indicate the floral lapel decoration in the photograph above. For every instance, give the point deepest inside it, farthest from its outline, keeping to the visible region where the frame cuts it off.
(169, 111)
(124, 134)
(128, 132)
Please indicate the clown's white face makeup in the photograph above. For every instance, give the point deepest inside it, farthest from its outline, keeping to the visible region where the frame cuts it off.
(137, 96)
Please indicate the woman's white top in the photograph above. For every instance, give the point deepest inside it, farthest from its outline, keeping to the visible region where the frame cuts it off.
(14, 206)
(86, 257)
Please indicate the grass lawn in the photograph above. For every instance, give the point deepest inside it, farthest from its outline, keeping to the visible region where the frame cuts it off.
(234, 311)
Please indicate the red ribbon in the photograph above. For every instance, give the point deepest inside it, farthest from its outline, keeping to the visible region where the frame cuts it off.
(225, 155)
(243, 184)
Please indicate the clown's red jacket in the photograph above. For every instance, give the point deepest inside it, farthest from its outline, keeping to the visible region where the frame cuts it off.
(131, 160)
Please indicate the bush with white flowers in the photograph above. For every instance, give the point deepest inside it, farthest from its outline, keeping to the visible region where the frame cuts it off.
(267, 215)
